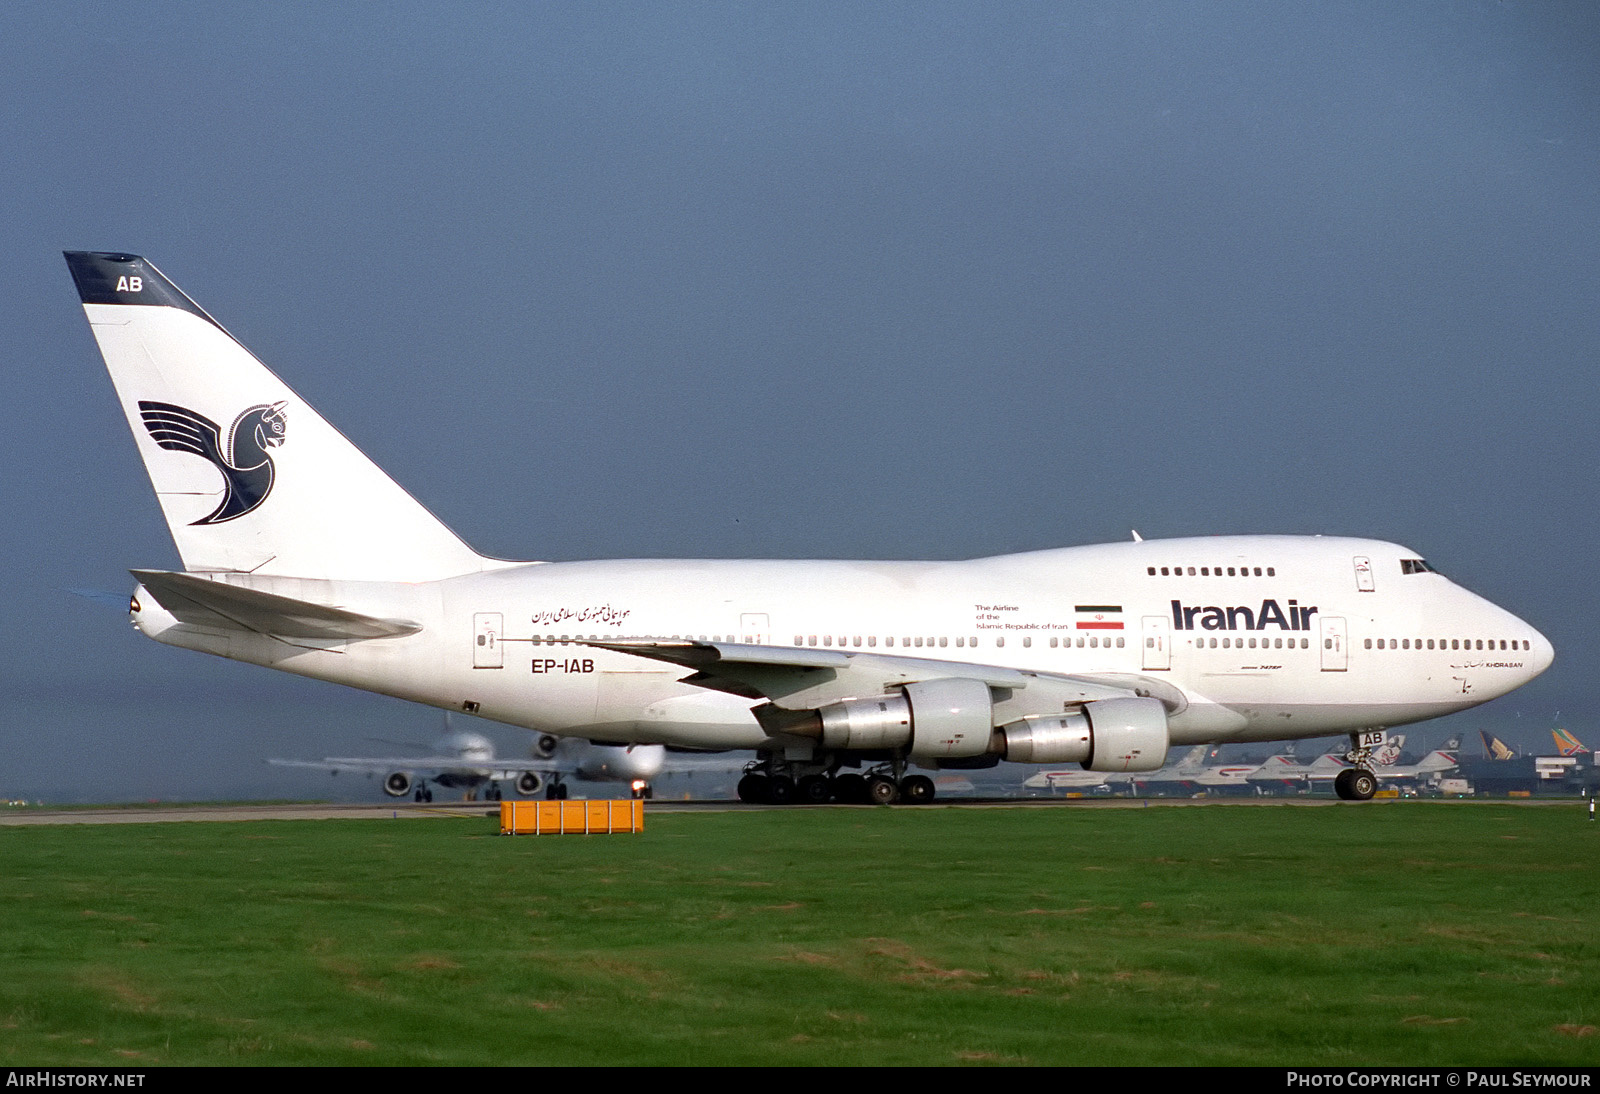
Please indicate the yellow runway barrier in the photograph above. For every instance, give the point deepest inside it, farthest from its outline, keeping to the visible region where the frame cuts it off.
(571, 818)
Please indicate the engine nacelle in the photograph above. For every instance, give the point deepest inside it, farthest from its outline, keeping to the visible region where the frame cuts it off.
(397, 784)
(545, 745)
(881, 722)
(528, 784)
(1049, 739)
(950, 718)
(1107, 735)
(931, 719)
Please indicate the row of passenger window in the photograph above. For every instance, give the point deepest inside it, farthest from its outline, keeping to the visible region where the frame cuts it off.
(1211, 571)
(870, 641)
(552, 640)
(909, 642)
(1452, 644)
(1241, 643)
(1095, 642)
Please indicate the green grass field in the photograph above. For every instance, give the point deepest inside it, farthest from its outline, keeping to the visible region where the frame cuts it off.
(1384, 933)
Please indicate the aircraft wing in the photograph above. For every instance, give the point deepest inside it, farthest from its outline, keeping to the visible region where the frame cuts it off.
(801, 679)
(426, 766)
(205, 603)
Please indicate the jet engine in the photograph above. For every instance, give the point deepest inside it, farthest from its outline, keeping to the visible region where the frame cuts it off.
(545, 746)
(931, 719)
(953, 719)
(397, 784)
(528, 783)
(1105, 735)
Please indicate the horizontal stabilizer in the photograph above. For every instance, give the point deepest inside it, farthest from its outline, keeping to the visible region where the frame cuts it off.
(204, 603)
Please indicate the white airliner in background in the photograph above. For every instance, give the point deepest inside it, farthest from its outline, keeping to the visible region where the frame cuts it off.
(1190, 773)
(1285, 771)
(465, 760)
(1194, 773)
(300, 554)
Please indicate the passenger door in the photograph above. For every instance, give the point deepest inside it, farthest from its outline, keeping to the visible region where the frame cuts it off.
(1335, 655)
(755, 629)
(486, 651)
(1157, 642)
(1364, 583)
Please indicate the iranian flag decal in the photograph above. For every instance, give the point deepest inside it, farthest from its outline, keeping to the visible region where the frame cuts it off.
(1099, 617)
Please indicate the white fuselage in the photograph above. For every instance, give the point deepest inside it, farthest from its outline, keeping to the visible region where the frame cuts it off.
(1245, 638)
(300, 553)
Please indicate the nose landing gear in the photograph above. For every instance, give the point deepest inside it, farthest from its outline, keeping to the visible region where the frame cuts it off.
(1358, 783)
(1355, 785)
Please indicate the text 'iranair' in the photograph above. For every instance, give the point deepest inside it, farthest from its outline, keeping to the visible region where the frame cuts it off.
(1243, 618)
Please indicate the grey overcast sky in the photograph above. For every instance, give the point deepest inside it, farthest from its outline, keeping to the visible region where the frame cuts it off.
(890, 280)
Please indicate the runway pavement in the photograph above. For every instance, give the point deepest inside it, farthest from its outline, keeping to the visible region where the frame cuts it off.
(215, 811)
(157, 814)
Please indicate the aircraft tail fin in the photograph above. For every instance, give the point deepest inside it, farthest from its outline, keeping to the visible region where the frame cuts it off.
(1567, 744)
(1438, 760)
(249, 476)
(1494, 748)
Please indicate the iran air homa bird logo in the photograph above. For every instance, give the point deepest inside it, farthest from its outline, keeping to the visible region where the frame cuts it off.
(246, 466)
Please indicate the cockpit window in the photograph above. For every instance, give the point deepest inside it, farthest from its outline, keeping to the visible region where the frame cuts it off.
(1415, 566)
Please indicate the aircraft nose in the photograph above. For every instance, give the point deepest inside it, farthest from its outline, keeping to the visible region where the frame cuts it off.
(1542, 654)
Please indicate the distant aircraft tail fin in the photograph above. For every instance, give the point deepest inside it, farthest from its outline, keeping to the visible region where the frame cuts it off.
(249, 476)
(1438, 760)
(1389, 753)
(1567, 744)
(1494, 748)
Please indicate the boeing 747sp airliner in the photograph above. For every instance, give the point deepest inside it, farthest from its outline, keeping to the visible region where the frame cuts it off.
(300, 554)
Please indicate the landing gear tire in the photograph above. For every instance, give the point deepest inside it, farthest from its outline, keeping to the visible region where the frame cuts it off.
(882, 791)
(1355, 785)
(753, 789)
(1363, 786)
(916, 790)
(780, 790)
(850, 788)
(815, 790)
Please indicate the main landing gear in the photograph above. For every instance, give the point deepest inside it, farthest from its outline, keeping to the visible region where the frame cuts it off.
(765, 786)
